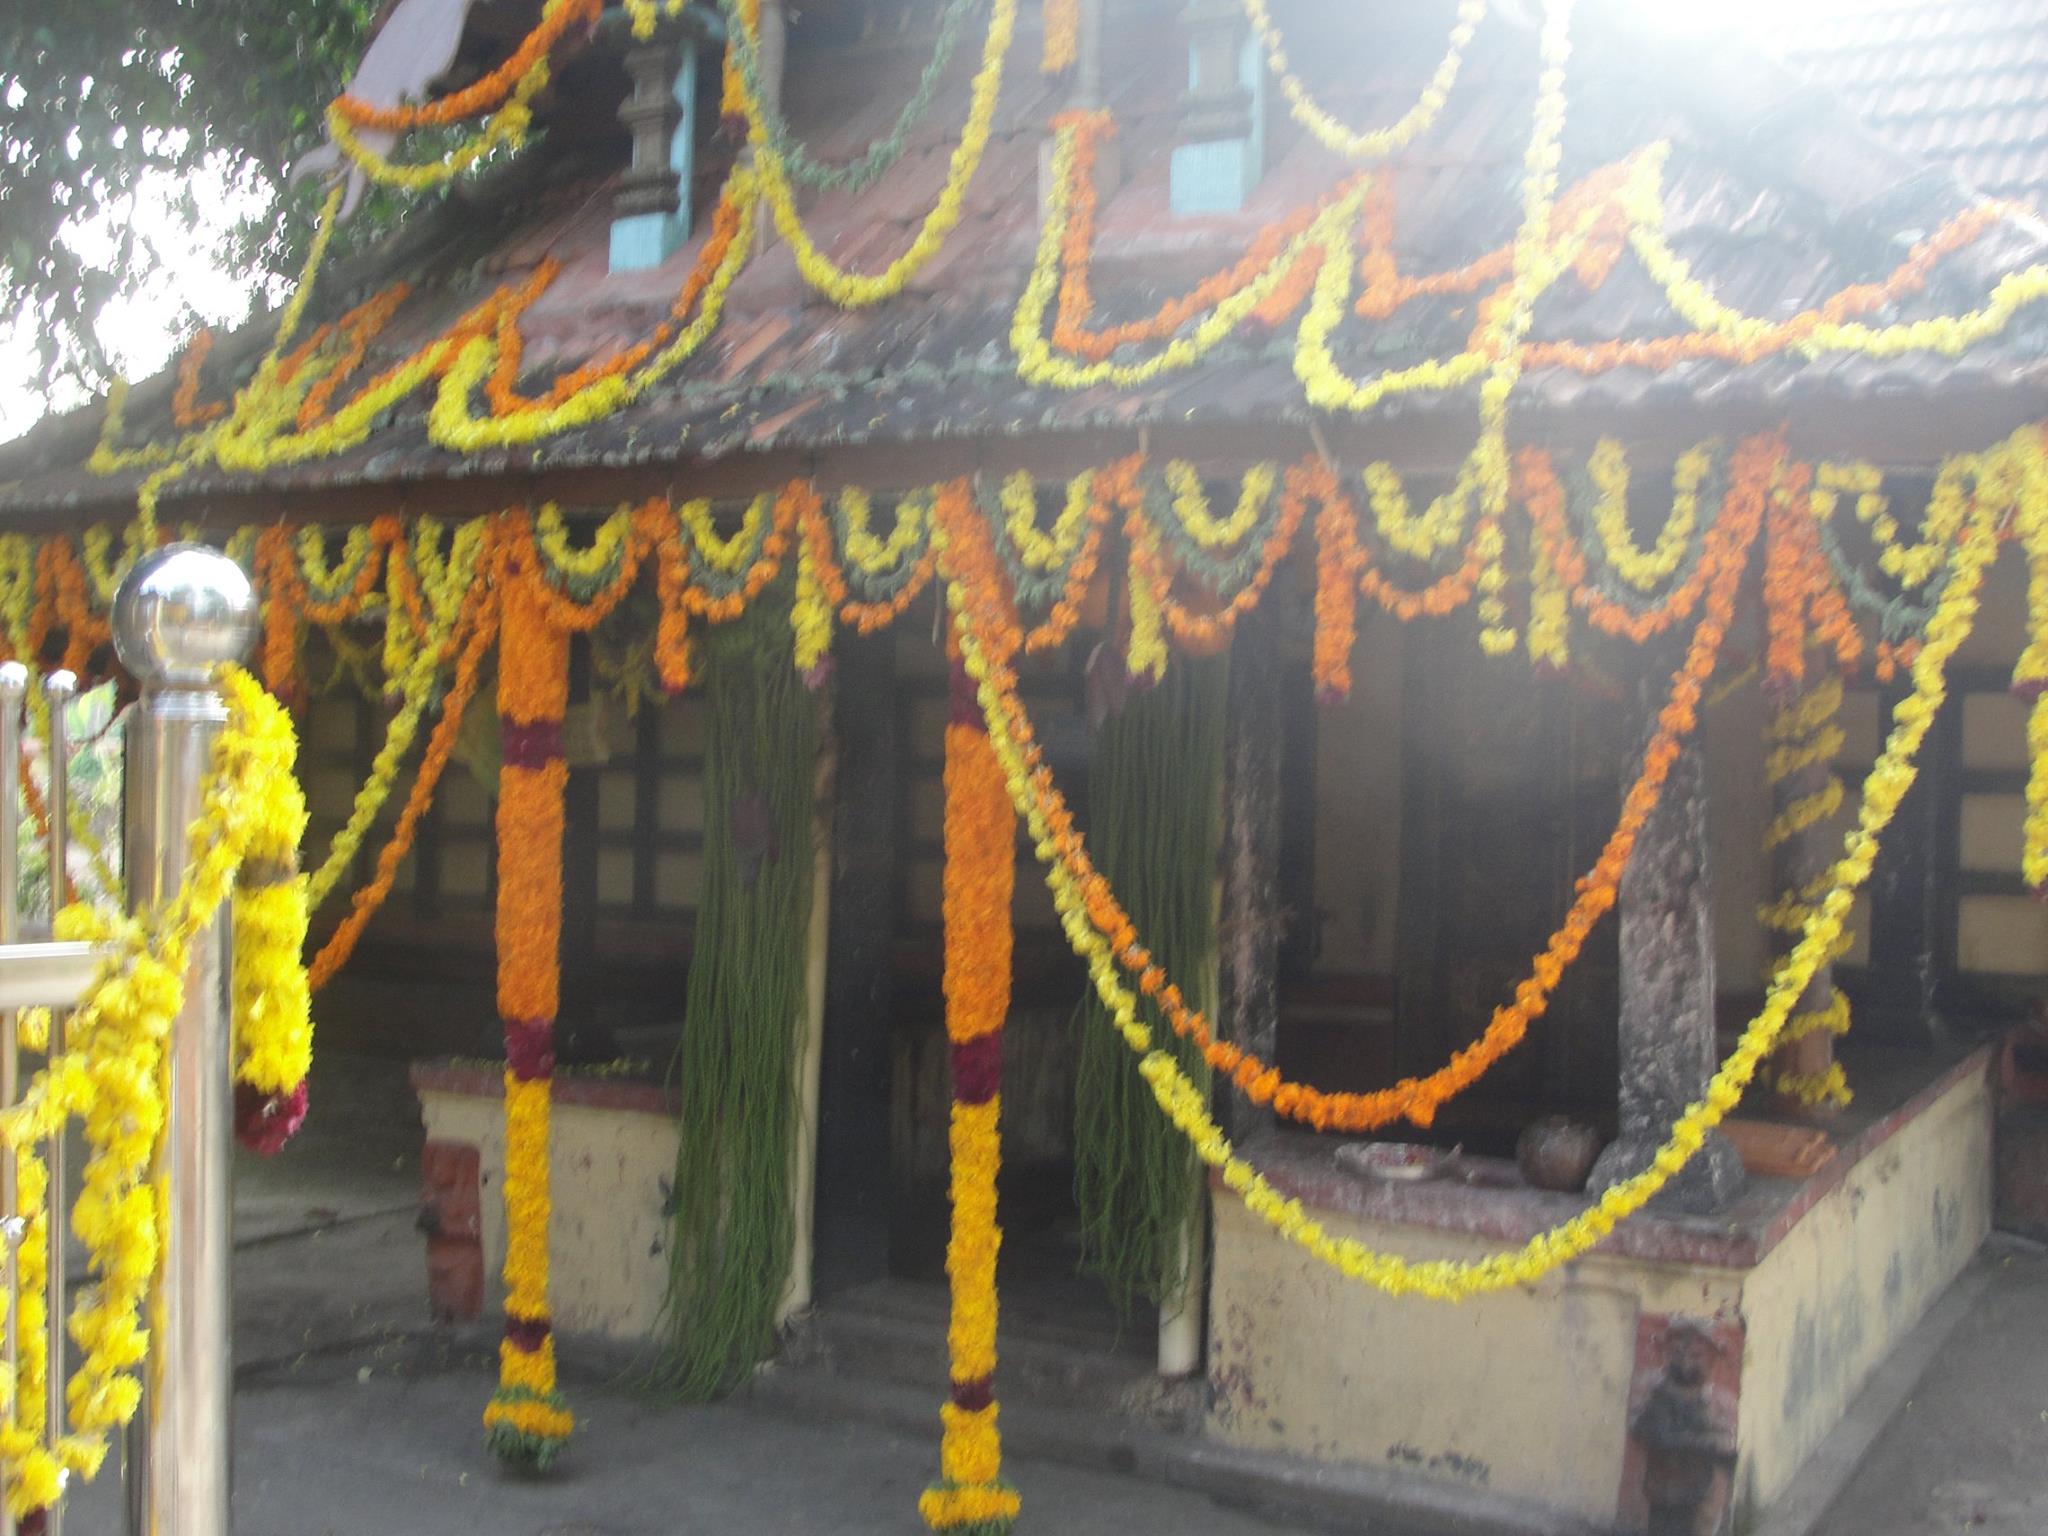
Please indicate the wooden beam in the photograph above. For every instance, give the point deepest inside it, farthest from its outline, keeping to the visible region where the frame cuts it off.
(1251, 924)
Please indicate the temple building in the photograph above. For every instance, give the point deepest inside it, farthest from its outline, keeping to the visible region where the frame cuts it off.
(1451, 529)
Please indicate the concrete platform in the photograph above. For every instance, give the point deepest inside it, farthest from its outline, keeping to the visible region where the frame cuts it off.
(1761, 1325)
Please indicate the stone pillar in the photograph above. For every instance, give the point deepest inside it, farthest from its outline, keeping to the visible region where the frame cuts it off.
(1251, 925)
(1668, 1050)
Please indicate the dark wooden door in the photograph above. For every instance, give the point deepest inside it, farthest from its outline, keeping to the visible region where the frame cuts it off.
(1510, 786)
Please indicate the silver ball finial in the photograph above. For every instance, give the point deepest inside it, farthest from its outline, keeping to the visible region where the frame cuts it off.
(183, 611)
(13, 681)
(60, 685)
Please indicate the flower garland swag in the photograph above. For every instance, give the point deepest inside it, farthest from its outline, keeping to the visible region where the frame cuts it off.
(736, 1065)
(1415, 1099)
(979, 876)
(1184, 1103)
(527, 1419)
(251, 816)
(556, 18)
(477, 630)
(1380, 142)
(853, 290)
(1155, 822)
(449, 595)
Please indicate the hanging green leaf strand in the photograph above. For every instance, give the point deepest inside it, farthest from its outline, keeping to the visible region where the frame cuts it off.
(1155, 826)
(736, 1068)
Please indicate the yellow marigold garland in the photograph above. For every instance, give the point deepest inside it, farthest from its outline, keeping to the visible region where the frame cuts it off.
(1380, 142)
(251, 810)
(506, 129)
(1187, 1105)
(444, 594)
(1645, 569)
(851, 290)
(1807, 736)
(1191, 505)
(1062, 36)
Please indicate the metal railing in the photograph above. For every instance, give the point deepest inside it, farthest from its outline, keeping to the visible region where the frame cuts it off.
(181, 612)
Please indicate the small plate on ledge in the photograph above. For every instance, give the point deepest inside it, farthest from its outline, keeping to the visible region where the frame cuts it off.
(1397, 1162)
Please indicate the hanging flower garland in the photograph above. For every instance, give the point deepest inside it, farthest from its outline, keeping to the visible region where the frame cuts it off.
(1380, 142)
(591, 394)
(1053, 573)
(476, 632)
(979, 602)
(647, 15)
(1806, 737)
(1803, 608)
(1062, 36)
(1233, 587)
(505, 130)
(251, 815)
(851, 290)
(1642, 569)
(556, 18)
(861, 171)
(980, 869)
(527, 1418)
(1072, 193)
(186, 411)
(1082, 134)
(1187, 1106)
(448, 598)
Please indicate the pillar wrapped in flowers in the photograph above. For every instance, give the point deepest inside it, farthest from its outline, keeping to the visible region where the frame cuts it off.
(979, 876)
(527, 1419)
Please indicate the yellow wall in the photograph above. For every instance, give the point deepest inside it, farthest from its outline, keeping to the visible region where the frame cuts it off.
(1829, 1301)
(1525, 1394)
(607, 1236)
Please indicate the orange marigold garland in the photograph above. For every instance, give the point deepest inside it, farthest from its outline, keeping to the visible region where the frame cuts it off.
(186, 411)
(527, 1418)
(980, 872)
(476, 630)
(486, 93)
(969, 563)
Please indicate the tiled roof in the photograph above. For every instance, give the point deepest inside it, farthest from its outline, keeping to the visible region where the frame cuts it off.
(1963, 82)
(1775, 197)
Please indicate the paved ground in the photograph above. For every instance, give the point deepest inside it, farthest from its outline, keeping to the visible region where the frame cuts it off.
(397, 1453)
(1968, 1451)
(354, 1418)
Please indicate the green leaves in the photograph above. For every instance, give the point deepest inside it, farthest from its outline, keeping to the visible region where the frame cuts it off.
(99, 116)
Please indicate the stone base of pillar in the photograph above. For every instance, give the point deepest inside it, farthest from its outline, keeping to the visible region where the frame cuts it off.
(1705, 1185)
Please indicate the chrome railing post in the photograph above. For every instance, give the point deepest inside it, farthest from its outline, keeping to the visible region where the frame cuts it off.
(13, 688)
(58, 690)
(183, 611)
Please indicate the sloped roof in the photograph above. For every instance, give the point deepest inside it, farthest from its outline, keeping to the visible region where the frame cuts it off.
(1777, 197)
(1962, 82)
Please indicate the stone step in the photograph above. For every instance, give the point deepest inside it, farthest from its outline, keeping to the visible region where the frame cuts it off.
(896, 1335)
